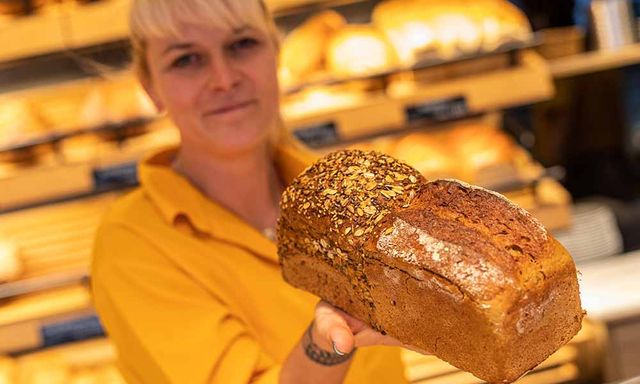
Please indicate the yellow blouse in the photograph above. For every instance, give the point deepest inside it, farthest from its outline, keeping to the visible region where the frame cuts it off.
(190, 293)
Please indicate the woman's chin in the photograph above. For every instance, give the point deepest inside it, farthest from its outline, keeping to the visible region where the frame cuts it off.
(237, 145)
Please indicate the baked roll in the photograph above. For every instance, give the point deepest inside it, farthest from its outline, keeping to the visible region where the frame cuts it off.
(10, 263)
(444, 266)
(303, 50)
(427, 154)
(359, 50)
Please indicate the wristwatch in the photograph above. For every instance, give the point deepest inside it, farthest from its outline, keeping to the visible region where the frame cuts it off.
(319, 355)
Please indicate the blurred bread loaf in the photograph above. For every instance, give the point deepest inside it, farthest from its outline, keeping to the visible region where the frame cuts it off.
(18, 121)
(477, 146)
(447, 267)
(303, 50)
(10, 263)
(449, 28)
(359, 50)
(427, 154)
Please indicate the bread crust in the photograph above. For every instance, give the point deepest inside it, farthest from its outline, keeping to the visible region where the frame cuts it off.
(444, 266)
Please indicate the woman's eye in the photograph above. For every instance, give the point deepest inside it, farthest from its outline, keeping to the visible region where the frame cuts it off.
(243, 44)
(186, 60)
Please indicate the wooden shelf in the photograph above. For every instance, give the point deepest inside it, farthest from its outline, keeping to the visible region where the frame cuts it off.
(474, 94)
(99, 23)
(61, 28)
(596, 61)
(31, 35)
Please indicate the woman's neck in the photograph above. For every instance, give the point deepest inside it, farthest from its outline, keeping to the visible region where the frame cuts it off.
(248, 185)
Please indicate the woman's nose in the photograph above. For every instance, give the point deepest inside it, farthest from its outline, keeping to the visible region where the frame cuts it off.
(222, 74)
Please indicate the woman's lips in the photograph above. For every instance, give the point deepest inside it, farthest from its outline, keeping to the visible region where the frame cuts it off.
(230, 108)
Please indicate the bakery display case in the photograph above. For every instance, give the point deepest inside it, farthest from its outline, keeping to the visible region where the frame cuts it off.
(425, 81)
(413, 61)
(88, 132)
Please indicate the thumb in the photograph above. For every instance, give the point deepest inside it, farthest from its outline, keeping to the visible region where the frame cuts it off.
(332, 329)
(342, 338)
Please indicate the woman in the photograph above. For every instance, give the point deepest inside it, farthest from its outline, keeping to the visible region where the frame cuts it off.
(185, 274)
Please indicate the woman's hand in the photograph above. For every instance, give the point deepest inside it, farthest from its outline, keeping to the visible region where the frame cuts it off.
(334, 328)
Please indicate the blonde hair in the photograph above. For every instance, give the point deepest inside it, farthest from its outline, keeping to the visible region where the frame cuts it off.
(163, 18)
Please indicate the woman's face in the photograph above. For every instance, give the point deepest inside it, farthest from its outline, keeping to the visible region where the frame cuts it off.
(219, 87)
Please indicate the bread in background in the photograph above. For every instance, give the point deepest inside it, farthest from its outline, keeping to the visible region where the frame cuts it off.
(478, 146)
(501, 22)
(426, 153)
(384, 144)
(449, 28)
(11, 266)
(41, 370)
(19, 121)
(359, 50)
(406, 26)
(7, 370)
(320, 99)
(303, 49)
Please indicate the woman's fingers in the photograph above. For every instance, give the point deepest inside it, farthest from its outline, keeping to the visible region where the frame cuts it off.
(332, 327)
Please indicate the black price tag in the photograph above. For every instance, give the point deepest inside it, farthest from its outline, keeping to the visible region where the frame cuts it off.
(123, 175)
(320, 135)
(438, 110)
(71, 330)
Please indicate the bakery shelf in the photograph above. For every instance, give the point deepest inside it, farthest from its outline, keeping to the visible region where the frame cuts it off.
(91, 361)
(53, 244)
(63, 27)
(47, 319)
(595, 61)
(31, 35)
(503, 56)
(98, 23)
(43, 283)
(437, 101)
(19, 190)
(101, 166)
(286, 7)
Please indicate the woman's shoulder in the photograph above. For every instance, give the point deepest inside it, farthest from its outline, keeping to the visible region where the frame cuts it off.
(131, 209)
(128, 227)
(131, 216)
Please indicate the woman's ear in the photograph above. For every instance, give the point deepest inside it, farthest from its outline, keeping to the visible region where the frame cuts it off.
(147, 84)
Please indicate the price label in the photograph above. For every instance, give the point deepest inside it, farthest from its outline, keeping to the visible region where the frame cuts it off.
(320, 135)
(438, 110)
(123, 175)
(71, 330)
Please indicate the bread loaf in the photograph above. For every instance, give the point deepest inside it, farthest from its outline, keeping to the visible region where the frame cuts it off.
(10, 264)
(303, 50)
(359, 50)
(447, 267)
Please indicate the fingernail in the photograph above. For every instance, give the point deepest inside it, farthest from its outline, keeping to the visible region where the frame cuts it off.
(336, 350)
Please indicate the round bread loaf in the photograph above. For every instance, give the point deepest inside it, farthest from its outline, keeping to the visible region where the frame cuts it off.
(426, 153)
(478, 146)
(444, 266)
(303, 49)
(359, 50)
(10, 265)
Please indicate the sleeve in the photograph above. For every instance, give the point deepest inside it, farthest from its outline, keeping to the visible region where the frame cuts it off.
(168, 329)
